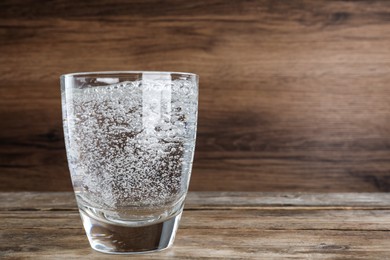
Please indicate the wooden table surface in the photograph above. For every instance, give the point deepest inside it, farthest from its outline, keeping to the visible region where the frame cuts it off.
(239, 225)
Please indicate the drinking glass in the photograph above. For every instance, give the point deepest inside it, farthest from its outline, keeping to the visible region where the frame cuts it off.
(130, 139)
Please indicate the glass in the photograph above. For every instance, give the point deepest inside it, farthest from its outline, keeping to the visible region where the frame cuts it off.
(130, 139)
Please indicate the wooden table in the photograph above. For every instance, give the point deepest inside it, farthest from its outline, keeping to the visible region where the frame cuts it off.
(214, 225)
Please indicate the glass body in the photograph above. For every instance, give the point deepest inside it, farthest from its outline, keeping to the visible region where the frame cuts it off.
(130, 139)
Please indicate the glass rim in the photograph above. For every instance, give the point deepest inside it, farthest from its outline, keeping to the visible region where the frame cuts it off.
(126, 73)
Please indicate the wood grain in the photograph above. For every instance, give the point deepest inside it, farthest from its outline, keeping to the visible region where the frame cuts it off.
(21, 201)
(49, 227)
(294, 95)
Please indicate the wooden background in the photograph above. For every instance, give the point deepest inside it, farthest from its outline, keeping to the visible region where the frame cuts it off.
(294, 95)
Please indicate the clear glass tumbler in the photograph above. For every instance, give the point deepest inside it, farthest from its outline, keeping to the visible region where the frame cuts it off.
(130, 139)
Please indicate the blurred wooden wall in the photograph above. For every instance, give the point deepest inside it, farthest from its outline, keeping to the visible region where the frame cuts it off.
(294, 95)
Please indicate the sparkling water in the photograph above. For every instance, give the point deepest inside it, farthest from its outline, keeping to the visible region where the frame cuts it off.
(130, 148)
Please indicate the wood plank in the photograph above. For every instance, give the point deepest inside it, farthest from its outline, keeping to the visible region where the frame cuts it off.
(51, 227)
(46, 201)
(294, 95)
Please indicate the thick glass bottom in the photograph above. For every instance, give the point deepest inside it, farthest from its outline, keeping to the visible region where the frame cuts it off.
(121, 239)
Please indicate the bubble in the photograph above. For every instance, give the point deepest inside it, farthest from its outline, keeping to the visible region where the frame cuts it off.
(128, 146)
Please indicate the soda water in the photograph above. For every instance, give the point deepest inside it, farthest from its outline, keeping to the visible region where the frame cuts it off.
(130, 147)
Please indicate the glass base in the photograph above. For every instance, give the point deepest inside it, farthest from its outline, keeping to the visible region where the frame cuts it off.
(112, 238)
